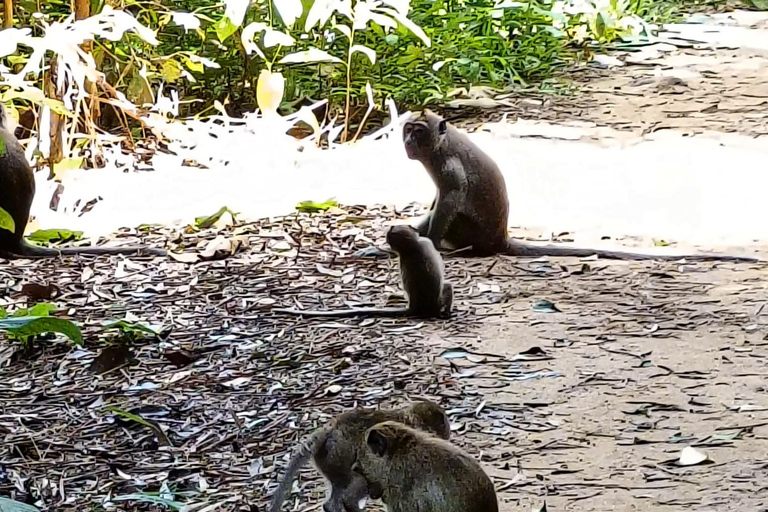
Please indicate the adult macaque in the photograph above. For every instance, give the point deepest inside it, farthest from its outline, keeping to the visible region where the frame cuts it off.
(411, 471)
(422, 272)
(17, 190)
(471, 207)
(334, 448)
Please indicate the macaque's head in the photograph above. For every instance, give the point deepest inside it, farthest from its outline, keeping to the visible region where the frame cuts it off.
(429, 417)
(423, 136)
(379, 462)
(402, 237)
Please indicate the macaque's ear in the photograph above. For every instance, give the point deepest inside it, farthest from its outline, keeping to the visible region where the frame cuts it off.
(377, 442)
(442, 127)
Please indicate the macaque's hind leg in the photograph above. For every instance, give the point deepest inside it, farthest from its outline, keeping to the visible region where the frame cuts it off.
(423, 225)
(335, 502)
(446, 300)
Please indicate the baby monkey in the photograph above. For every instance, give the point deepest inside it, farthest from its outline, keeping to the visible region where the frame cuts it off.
(335, 447)
(410, 472)
(422, 272)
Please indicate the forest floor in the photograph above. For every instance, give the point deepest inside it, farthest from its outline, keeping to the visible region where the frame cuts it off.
(585, 402)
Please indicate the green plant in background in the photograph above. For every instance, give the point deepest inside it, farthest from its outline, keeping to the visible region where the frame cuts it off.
(288, 52)
(27, 323)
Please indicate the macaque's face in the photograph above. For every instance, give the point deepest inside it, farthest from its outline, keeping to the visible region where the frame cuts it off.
(417, 140)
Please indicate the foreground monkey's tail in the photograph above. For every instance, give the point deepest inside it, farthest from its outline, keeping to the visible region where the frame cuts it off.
(515, 248)
(28, 250)
(346, 313)
(305, 452)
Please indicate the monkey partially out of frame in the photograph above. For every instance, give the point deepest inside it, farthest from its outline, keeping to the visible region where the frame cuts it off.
(411, 471)
(471, 207)
(422, 272)
(334, 448)
(17, 190)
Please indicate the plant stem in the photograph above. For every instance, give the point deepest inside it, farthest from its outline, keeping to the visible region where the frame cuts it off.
(349, 86)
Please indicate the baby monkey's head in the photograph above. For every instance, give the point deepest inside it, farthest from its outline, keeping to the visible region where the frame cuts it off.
(402, 237)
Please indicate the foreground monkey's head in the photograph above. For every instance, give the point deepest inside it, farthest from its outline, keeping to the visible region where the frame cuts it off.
(423, 136)
(430, 417)
(402, 237)
(384, 455)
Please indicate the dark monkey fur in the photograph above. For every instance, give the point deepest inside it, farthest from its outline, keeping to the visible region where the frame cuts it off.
(471, 207)
(422, 272)
(413, 472)
(17, 190)
(334, 448)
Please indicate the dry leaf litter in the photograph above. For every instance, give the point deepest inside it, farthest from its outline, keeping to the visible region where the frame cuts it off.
(577, 383)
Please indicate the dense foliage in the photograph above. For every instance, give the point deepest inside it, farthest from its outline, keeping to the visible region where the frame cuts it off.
(201, 53)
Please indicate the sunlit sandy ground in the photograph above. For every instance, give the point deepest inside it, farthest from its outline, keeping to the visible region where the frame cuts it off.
(575, 177)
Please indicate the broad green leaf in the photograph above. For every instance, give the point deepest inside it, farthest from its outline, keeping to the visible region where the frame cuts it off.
(6, 221)
(206, 222)
(310, 55)
(9, 505)
(41, 309)
(197, 67)
(55, 235)
(225, 28)
(171, 70)
(760, 4)
(33, 325)
(313, 207)
(368, 52)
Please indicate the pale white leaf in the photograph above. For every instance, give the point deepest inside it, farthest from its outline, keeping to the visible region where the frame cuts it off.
(437, 65)
(404, 21)
(275, 37)
(270, 89)
(369, 93)
(307, 56)
(319, 13)
(369, 52)
(235, 10)
(344, 30)
(249, 32)
(289, 10)
(690, 456)
(186, 19)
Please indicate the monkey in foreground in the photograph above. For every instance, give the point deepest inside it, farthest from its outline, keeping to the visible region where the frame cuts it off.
(422, 272)
(334, 448)
(471, 205)
(413, 472)
(17, 190)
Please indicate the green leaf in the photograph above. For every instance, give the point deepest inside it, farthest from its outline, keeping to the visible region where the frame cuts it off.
(225, 28)
(2, 146)
(6, 221)
(9, 505)
(130, 327)
(206, 222)
(760, 4)
(49, 236)
(313, 207)
(130, 416)
(41, 309)
(33, 325)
